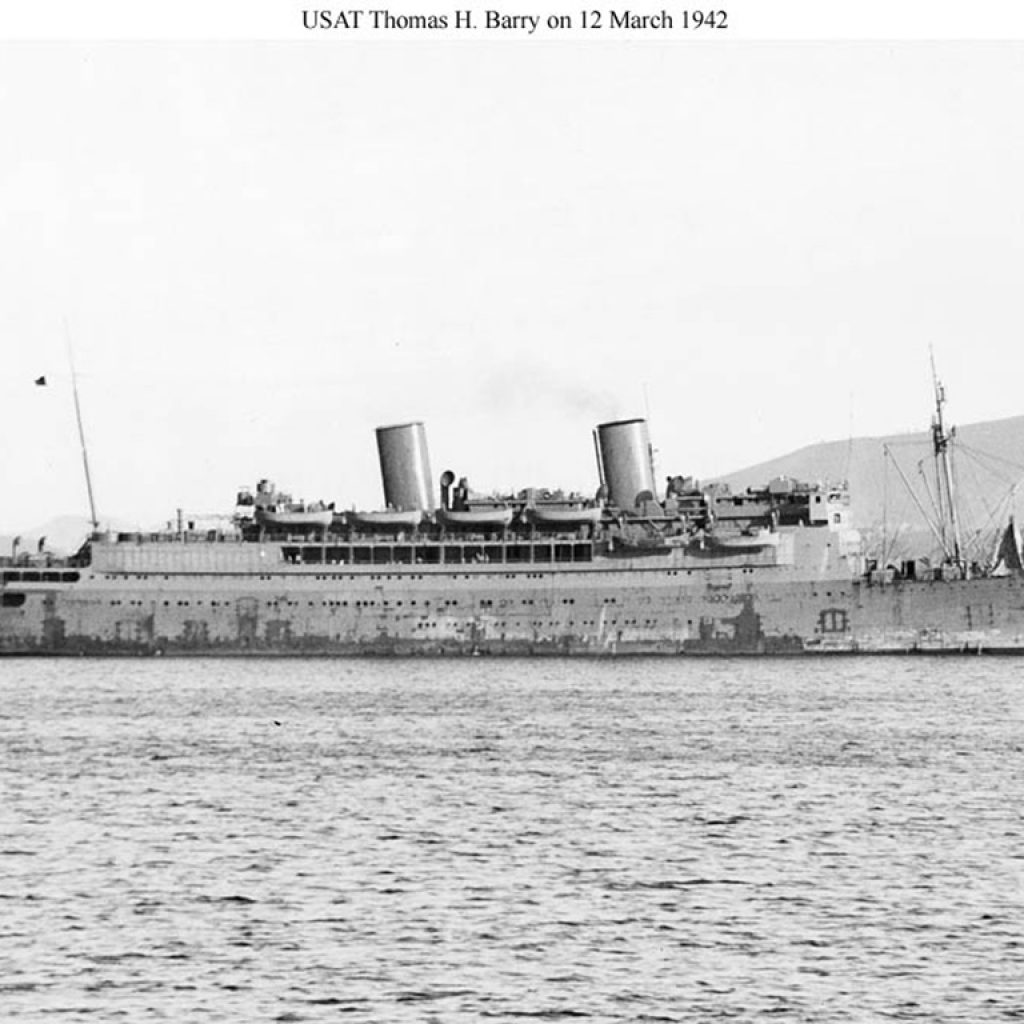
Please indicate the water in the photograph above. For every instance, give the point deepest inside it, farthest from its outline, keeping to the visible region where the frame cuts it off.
(490, 840)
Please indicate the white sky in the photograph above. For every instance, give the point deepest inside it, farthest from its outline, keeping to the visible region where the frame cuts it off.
(265, 250)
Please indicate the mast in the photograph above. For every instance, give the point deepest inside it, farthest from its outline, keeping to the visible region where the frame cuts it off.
(81, 432)
(944, 472)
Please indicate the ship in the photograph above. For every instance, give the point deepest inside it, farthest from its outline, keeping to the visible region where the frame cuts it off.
(695, 570)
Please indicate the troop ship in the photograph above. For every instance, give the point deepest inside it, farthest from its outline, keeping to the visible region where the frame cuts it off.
(775, 570)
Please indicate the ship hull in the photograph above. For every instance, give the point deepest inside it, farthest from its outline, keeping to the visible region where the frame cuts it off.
(247, 600)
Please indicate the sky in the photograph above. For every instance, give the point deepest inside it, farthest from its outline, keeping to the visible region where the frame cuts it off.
(260, 251)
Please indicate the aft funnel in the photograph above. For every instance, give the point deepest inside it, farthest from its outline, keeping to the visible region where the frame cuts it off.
(626, 465)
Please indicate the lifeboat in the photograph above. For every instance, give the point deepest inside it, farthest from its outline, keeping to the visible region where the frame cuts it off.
(564, 515)
(295, 517)
(387, 519)
(744, 541)
(481, 518)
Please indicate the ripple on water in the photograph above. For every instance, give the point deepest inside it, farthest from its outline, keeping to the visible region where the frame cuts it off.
(641, 840)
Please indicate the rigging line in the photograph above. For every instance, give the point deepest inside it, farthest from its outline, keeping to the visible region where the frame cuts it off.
(1002, 505)
(955, 472)
(991, 527)
(978, 460)
(849, 444)
(908, 442)
(988, 534)
(973, 470)
(1012, 489)
(1011, 483)
(885, 505)
(980, 455)
(921, 508)
(897, 535)
(936, 508)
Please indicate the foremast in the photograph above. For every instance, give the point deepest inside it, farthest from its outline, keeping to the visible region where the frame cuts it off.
(949, 519)
(81, 430)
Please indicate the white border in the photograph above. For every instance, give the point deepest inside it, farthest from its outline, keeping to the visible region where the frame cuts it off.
(282, 20)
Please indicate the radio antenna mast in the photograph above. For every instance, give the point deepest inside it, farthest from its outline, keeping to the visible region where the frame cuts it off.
(81, 433)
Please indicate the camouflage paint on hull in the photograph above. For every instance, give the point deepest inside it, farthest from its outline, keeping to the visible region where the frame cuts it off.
(663, 606)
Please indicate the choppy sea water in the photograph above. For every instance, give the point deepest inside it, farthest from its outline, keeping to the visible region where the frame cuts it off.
(492, 840)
